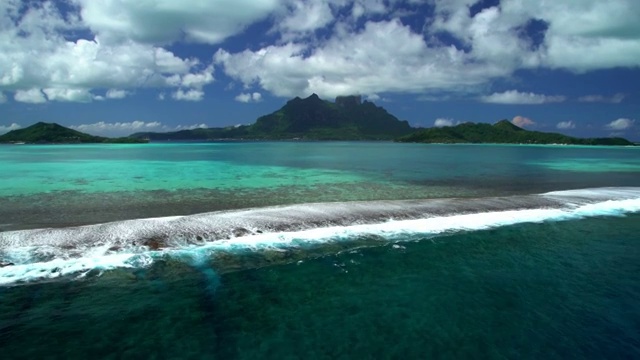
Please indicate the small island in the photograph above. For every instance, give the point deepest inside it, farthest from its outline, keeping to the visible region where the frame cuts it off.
(502, 132)
(52, 133)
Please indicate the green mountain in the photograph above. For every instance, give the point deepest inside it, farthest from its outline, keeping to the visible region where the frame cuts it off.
(313, 118)
(502, 132)
(51, 133)
(348, 118)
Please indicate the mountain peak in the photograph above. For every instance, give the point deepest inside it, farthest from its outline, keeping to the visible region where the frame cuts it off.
(507, 125)
(297, 100)
(45, 125)
(313, 97)
(315, 118)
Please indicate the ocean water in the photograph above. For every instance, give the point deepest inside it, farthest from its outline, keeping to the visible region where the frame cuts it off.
(319, 250)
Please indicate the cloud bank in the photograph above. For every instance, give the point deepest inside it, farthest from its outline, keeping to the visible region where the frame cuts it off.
(79, 50)
(41, 60)
(386, 55)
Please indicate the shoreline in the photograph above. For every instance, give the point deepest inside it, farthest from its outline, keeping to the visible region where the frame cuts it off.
(300, 140)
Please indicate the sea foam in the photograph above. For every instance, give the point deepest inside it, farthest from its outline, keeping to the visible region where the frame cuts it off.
(46, 254)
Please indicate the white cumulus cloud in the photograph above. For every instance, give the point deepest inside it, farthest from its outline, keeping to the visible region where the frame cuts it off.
(75, 95)
(193, 80)
(188, 95)
(305, 16)
(249, 97)
(620, 124)
(116, 94)
(590, 34)
(368, 7)
(524, 98)
(33, 96)
(580, 35)
(566, 125)
(331, 47)
(36, 53)
(385, 56)
(167, 21)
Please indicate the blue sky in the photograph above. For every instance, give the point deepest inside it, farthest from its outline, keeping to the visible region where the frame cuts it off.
(113, 67)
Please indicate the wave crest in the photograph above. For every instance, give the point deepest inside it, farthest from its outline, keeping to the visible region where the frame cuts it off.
(44, 254)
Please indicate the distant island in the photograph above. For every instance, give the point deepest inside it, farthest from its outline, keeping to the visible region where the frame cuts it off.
(52, 133)
(502, 132)
(348, 118)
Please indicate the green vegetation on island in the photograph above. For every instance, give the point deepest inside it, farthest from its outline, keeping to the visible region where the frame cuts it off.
(502, 132)
(348, 118)
(52, 133)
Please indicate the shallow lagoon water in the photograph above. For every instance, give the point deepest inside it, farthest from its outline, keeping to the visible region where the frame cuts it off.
(536, 287)
(44, 186)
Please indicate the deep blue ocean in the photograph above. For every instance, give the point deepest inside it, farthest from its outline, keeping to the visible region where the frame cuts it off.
(319, 250)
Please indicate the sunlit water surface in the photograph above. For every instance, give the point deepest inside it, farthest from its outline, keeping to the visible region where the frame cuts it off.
(526, 281)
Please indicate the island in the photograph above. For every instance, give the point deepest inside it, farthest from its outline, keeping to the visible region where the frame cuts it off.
(348, 118)
(52, 133)
(502, 132)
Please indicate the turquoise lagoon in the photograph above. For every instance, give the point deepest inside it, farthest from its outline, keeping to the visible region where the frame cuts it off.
(319, 250)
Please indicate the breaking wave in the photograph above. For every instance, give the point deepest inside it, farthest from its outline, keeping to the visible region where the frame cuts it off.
(47, 254)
